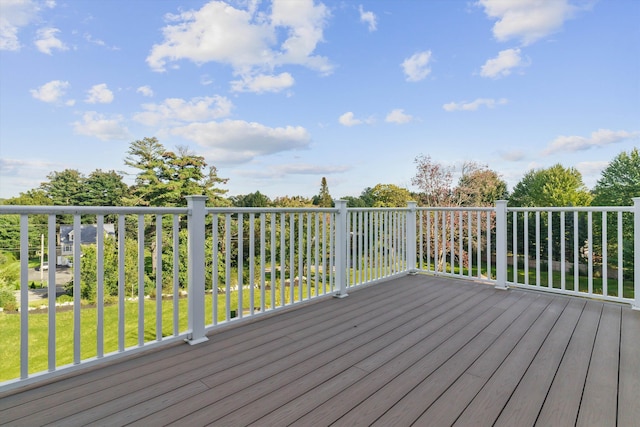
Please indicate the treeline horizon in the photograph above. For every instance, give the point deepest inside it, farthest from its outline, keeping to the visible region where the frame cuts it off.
(165, 177)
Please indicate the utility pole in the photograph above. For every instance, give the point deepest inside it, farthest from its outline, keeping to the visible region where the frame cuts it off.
(41, 258)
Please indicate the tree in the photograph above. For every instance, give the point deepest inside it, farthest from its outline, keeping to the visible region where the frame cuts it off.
(323, 199)
(554, 186)
(354, 202)
(88, 271)
(104, 189)
(551, 187)
(34, 197)
(165, 178)
(390, 196)
(65, 188)
(479, 186)
(251, 200)
(620, 181)
(435, 182)
(366, 199)
(186, 173)
(10, 224)
(292, 202)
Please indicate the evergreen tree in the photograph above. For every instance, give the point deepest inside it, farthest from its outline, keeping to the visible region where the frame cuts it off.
(323, 199)
(165, 177)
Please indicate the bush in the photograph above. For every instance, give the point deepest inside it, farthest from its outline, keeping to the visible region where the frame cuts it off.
(8, 299)
(64, 298)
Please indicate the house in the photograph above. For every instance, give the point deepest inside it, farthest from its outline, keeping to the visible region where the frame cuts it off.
(88, 236)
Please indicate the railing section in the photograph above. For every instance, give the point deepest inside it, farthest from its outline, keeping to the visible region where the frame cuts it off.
(576, 251)
(262, 260)
(377, 244)
(459, 242)
(582, 251)
(153, 275)
(121, 277)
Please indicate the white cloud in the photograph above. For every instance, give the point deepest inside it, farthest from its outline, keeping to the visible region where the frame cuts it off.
(398, 116)
(474, 105)
(99, 94)
(21, 175)
(97, 125)
(527, 20)
(368, 18)
(237, 141)
(15, 165)
(51, 92)
(88, 37)
(47, 40)
(347, 119)
(145, 91)
(417, 67)
(599, 138)
(502, 65)
(16, 14)
(246, 39)
(177, 110)
(263, 83)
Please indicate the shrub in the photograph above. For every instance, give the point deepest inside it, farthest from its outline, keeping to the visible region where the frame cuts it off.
(64, 298)
(8, 299)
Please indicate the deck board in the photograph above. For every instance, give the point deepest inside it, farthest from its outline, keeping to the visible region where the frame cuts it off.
(418, 350)
(629, 385)
(599, 399)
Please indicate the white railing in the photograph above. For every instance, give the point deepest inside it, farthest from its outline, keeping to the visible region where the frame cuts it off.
(236, 263)
(576, 251)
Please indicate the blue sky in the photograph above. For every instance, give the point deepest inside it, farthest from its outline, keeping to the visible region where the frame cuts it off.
(277, 94)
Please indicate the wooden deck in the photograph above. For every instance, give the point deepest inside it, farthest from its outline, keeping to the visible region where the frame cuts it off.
(413, 351)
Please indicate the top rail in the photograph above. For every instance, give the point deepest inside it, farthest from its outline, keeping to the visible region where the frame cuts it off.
(91, 210)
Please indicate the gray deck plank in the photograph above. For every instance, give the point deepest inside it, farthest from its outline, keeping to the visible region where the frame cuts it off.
(524, 405)
(486, 406)
(413, 404)
(562, 403)
(629, 386)
(424, 350)
(337, 364)
(383, 398)
(430, 321)
(599, 399)
(385, 365)
(266, 383)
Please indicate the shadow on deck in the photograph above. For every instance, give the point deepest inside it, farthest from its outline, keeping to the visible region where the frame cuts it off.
(419, 350)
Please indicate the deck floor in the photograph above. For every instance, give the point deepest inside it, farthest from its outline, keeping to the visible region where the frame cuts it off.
(418, 350)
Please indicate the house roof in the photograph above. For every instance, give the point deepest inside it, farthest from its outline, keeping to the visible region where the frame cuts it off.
(88, 233)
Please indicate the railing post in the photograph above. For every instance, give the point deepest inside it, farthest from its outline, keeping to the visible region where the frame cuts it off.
(195, 266)
(411, 238)
(636, 253)
(341, 249)
(501, 244)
